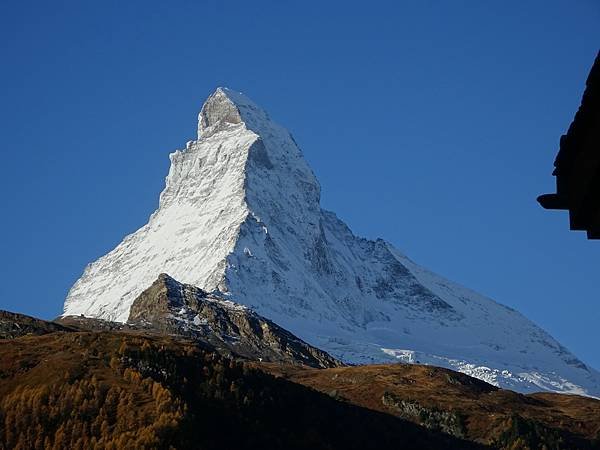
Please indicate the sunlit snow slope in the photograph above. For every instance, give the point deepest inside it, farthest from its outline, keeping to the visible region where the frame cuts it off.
(240, 213)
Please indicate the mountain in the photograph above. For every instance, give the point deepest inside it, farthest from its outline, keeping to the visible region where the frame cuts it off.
(240, 217)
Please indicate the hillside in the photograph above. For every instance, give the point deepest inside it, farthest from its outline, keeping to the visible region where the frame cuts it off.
(13, 325)
(118, 390)
(93, 385)
(441, 399)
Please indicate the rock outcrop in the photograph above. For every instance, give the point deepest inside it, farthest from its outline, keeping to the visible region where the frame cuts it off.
(174, 308)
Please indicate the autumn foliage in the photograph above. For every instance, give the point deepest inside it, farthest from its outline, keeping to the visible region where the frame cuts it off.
(114, 390)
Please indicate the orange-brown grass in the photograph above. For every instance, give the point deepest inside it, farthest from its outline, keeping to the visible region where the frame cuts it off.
(70, 390)
(118, 390)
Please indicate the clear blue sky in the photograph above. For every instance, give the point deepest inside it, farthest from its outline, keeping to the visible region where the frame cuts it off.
(431, 124)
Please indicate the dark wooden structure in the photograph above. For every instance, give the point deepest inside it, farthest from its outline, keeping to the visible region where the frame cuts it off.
(577, 165)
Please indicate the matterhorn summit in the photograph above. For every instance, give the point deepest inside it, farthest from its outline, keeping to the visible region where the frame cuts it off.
(240, 216)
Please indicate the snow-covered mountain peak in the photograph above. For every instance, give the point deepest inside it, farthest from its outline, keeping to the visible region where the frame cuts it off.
(240, 213)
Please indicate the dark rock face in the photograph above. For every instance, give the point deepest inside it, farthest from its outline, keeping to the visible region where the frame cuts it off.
(174, 308)
(13, 325)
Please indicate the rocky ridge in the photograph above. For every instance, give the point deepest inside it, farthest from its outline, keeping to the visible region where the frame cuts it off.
(173, 308)
(14, 325)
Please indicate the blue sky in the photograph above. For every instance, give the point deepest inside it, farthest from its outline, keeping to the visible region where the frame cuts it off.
(431, 124)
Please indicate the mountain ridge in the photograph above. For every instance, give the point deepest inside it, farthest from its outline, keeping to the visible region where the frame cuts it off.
(170, 308)
(173, 308)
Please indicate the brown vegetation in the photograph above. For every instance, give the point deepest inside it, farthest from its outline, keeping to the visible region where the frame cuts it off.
(60, 391)
(117, 390)
(13, 325)
(457, 404)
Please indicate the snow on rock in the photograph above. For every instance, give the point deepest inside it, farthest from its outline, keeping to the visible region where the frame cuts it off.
(241, 214)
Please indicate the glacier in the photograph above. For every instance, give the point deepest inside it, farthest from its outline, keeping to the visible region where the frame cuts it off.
(240, 215)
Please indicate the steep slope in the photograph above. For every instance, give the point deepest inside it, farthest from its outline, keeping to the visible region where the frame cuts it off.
(240, 214)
